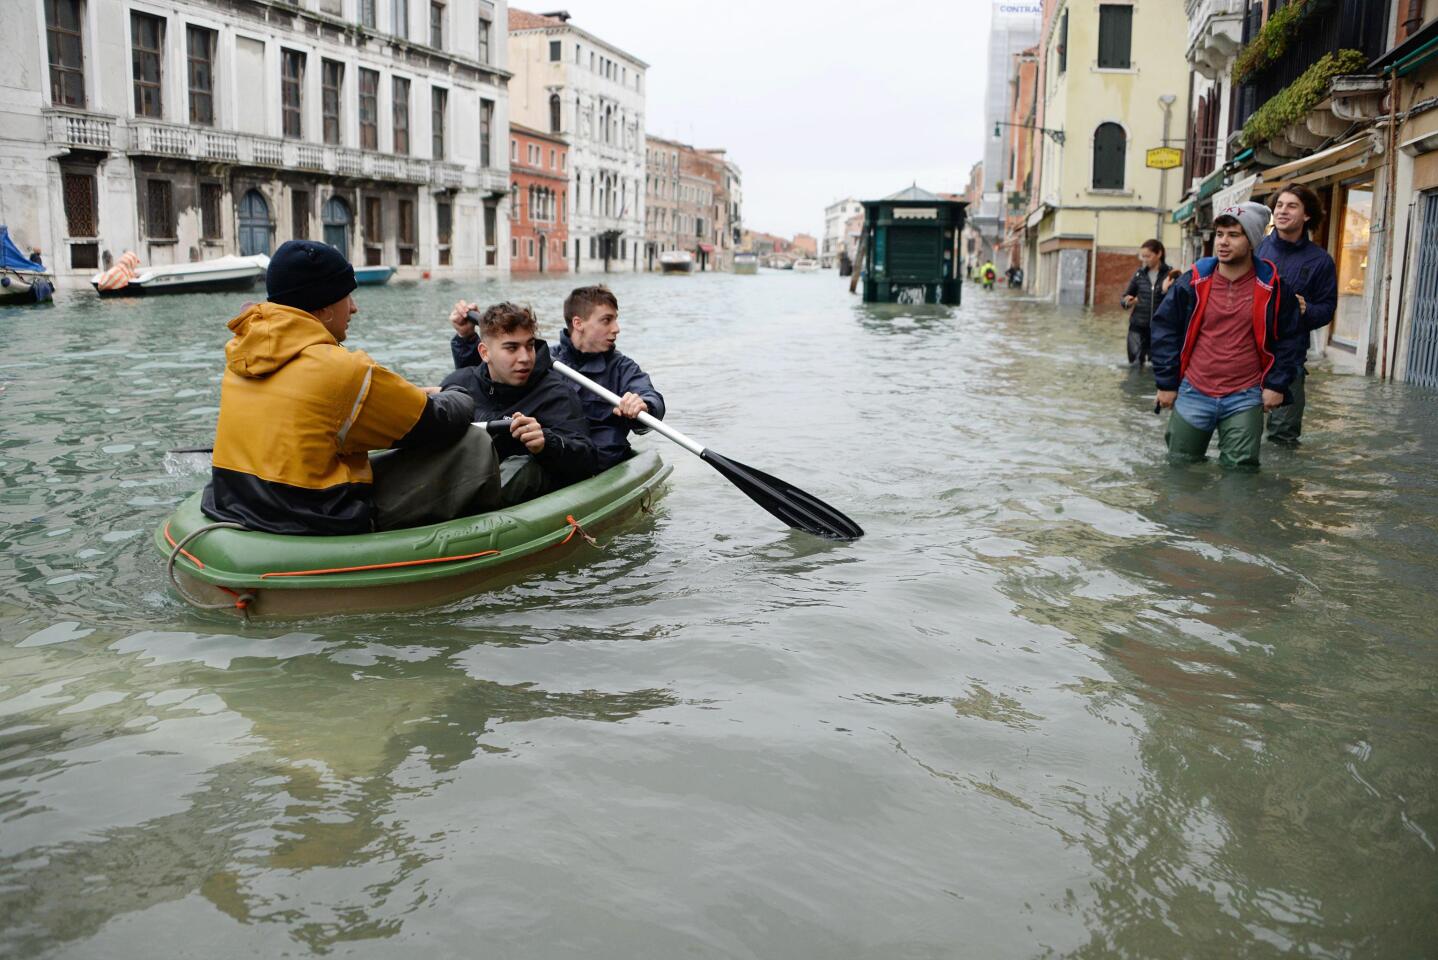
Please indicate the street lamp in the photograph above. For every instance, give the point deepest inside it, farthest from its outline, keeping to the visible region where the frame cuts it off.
(1056, 135)
(1166, 101)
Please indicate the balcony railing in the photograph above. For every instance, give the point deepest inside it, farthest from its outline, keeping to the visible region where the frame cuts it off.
(79, 128)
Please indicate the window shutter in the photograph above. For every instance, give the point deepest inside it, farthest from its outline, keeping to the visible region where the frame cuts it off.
(1109, 149)
(1115, 35)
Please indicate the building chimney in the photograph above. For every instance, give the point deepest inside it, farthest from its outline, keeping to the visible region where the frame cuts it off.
(561, 15)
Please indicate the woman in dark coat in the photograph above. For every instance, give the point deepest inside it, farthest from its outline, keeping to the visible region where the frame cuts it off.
(1144, 294)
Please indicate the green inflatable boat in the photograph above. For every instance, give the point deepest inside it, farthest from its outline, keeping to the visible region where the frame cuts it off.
(269, 575)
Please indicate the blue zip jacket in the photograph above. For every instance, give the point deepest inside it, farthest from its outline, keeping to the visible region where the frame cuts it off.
(1282, 341)
(612, 370)
(1307, 271)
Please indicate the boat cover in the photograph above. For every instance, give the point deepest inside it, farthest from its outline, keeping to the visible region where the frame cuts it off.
(12, 259)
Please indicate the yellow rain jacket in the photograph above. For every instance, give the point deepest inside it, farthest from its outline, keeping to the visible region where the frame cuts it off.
(298, 416)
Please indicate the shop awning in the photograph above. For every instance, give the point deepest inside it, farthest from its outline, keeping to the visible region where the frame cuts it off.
(1184, 212)
(1319, 166)
(1235, 193)
(707, 247)
(1210, 185)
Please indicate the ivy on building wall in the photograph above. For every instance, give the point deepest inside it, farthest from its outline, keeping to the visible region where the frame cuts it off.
(1292, 103)
(1273, 38)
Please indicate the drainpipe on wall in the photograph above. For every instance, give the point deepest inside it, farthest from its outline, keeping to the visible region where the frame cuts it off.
(1093, 267)
(1388, 208)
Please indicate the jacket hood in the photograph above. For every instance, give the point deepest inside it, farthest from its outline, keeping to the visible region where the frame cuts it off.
(1264, 268)
(507, 393)
(268, 336)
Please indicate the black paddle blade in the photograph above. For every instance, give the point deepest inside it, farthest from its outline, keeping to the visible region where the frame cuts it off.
(790, 504)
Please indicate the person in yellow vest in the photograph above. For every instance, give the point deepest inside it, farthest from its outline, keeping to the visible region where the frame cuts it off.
(299, 415)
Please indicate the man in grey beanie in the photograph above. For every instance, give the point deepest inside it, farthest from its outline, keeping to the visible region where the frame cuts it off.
(1227, 343)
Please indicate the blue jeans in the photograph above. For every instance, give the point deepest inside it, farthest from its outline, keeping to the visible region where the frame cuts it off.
(1204, 412)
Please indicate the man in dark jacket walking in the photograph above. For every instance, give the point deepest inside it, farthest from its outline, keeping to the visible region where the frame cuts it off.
(548, 444)
(1144, 293)
(1226, 344)
(587, 344)
(1307, 271)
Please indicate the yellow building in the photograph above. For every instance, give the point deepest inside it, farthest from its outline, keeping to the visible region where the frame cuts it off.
(1112, 76)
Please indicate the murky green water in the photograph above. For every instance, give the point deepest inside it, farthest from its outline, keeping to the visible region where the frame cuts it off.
(1063, 700)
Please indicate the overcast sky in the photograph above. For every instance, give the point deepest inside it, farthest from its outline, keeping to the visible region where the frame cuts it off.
(814, 101)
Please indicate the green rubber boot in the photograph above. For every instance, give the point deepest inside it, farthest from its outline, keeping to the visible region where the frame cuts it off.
(1238, 439)
(1186, 443)
(1285, 424)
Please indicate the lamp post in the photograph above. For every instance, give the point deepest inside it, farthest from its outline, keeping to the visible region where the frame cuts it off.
(1165, 101)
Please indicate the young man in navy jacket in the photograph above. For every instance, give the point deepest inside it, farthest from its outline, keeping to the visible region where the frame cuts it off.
(1226, 344)
(1308, 271)
(591, 327)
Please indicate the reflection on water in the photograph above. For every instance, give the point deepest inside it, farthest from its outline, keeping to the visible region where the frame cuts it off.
(1062, 700)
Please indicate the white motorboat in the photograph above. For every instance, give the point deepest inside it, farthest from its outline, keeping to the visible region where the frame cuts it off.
(128, 279)
(806, 265)
(676, 261)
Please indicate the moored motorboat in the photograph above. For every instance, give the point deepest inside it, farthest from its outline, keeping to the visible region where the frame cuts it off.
(746, 263)
(373, 276)
(128, 279)
(244, 572)
(676, 261)
(22, 280)
(806, 265)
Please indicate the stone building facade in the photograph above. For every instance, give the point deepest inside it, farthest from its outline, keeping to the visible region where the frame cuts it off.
(539, 191)
(190, 129)
(688, 204)
(569, 82)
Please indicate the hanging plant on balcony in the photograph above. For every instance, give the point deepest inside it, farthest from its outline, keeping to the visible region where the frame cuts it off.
(1273, 38)
(1292, 103)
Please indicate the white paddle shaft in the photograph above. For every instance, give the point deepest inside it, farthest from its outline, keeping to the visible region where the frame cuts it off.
(653, 423)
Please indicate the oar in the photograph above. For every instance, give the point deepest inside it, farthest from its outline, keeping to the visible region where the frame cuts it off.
(494, 426)
(798, 509)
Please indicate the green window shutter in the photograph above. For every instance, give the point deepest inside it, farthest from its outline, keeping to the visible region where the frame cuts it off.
(1115, 36)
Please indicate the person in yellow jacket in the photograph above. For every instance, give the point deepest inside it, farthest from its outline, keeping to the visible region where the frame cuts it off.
(299, 415)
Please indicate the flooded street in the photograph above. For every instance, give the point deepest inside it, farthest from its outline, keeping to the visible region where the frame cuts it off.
(1062, 700)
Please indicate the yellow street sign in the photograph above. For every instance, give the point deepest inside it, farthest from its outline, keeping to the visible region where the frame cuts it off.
(1164, 158)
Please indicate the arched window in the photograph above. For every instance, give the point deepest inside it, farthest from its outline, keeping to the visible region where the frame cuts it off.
(555, 124)
(337, 219)
(255, 226)
(1109, 149)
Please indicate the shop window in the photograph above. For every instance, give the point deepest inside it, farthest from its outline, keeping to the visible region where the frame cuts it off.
(1353, 263)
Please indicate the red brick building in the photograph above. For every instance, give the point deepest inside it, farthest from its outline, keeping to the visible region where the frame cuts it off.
(538, 188)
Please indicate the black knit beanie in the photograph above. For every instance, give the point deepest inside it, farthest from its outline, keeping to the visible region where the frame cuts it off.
(308, 275)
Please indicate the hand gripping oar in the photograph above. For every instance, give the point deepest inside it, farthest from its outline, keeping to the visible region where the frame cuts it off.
(790, 504)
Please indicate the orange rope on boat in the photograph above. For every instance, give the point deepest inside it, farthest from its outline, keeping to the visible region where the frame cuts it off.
(184, 553)
(576, 528)
(379, 566)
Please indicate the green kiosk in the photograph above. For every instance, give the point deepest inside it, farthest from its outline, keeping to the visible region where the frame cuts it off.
(911, 248)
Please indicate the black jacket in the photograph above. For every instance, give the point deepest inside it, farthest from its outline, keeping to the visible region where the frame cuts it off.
(1149, 295)
(613, 370)
(568, 453)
